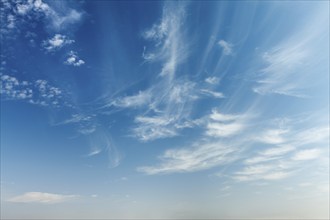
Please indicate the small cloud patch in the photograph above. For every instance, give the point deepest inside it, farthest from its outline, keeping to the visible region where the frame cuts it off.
(73, 59)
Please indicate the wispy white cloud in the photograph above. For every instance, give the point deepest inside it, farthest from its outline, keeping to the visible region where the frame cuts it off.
(150, 128)
(94, 152)
(215, 129)
(312, 135)
(41, 197)
(222, 125)
(101, 141)
(99, 138)
(274, 171)
(217, 116)
(308, 154)
(170, 47)
(277, 151)
(270, 154)
(167, 104)
(201, 156)
(214, 94)
(56, 42)
(226, 140)
(205, 153)
(293, 66)
(140, 99)
(227, 47)
(284, 158)
(272, 136)
(73, 59)
(212, 80)
(168, 111)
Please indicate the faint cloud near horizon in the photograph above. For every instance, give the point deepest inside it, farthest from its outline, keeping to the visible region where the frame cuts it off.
(41, 197)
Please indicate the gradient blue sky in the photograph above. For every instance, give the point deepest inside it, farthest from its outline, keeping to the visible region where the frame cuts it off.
(151, 109)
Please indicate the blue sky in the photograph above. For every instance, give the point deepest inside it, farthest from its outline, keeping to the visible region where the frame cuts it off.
(151, 109)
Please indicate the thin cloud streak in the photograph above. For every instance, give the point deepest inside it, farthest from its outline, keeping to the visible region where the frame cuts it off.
(41, 197)
(202, 156)
(226, 47)
(293, 65)
(212, 80)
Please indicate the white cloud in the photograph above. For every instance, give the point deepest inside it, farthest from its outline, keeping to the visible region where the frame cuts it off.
(170, 47)
(272, 136)
(259, 159)
(222, 125)
(169, 99)
(199, 157)
(73, 59)
(226, 47)
(151, 128)
(308, 154)
(168, 111)
(205, 153)
(311, 135)
(223, 130)
(218, 146)
(58, 19)
(255, 170)
(39, 92)
(283, 159)
(57, 42)
(41, 197)
(76, 118)
(218, 95)
(23, 9)
(140, 99)
(11, 21)
(101, 141)
(217, 116)
(277, 151)
(276, 176)
(297, 65)
(94, 152)
(212, 80)
(89, 129)
(270, 154)
(272, 171)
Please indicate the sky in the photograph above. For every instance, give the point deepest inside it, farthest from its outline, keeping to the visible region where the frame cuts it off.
(164, 110)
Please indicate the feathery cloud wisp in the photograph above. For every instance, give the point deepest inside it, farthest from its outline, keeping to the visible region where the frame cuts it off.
(226, 47)
(140, 99)
(41, 197)
(218, 95)
(222, 125)
(308, 154)
(293, 66)
(199, 157)
(212, 80)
